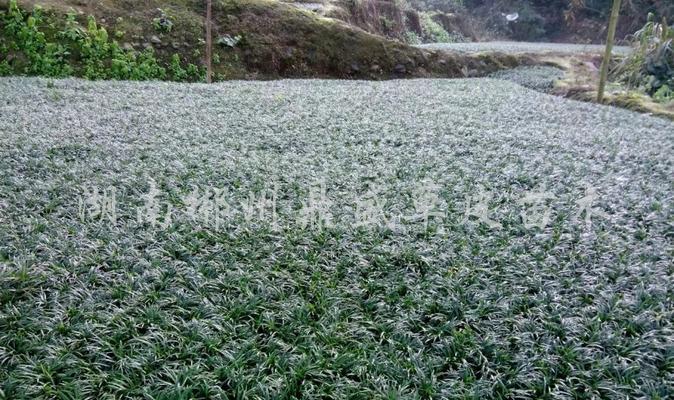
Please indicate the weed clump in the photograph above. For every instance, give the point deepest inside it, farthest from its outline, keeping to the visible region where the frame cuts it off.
(163, 23)
(650, 67)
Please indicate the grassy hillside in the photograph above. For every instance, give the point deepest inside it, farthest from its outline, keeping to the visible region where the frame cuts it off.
(253, 39)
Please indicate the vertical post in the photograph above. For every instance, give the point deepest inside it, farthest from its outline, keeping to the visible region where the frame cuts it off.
(209, 43)
(612, 24)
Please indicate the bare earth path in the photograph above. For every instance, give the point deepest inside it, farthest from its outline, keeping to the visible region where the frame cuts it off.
(523, 47)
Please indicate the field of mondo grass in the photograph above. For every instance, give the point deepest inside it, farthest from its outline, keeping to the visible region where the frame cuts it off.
(416, 239)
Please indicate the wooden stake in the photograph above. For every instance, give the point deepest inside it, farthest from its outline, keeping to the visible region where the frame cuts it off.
(209, 43)
(612, 24)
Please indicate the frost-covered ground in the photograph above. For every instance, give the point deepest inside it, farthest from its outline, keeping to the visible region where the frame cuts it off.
(523, 47)
(541, 78)
(486, 300)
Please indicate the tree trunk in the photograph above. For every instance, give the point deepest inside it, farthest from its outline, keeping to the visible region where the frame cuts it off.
(613, 22)
(209, 43)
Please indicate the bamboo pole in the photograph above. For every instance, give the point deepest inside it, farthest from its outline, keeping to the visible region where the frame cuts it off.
(209, 43)
(612, 24)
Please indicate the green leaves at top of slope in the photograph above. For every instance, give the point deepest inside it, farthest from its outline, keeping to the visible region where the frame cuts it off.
(36, 44)
(24, 44)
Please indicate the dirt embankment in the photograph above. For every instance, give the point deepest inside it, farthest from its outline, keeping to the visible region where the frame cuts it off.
(262, 39)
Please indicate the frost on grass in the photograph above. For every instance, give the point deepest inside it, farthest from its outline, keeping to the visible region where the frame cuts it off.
(540, 78)
(455, 308)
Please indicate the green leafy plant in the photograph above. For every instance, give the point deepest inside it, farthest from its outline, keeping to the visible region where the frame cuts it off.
(72, 30)
(433, 32)
(665, 94)
(650, 66)
(177, 72)
(135, 66)
(95, 50)
(147, 67)
(5, 68)
(191, 73)
(411, 38)
(163, 23)
(194, 73)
